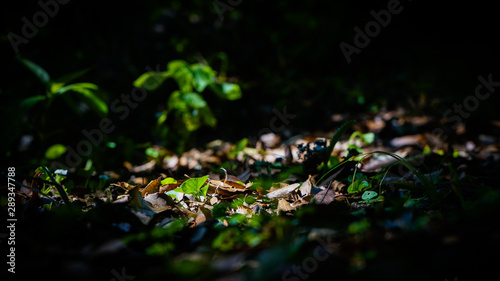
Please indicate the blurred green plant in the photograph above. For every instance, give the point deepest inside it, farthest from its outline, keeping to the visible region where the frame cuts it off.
(35, 111)
(85, 92)
(186, 105)
(357, 139)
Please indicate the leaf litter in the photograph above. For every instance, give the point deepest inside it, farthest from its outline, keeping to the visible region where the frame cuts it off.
(388, 206)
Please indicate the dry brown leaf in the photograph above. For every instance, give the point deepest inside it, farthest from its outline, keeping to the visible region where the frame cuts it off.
(200, 218)
(283, 191)
(284, 206)
(326, 197)
(152, 187)
(227, 189)
(149, 166)
(123, 185)
(305, 188)
(160, 202)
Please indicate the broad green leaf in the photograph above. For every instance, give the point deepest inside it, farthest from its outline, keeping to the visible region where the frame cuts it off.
(37, 70)
(193, 186)
(231, 91)
(368, 138)
(182, 74)
(367, 195)
(358, 186)
(203, 76)
(151, 80)
(176, 102)
(194, 100)
(152, 152)
(204, 189)
(168, 181)
(55, 151)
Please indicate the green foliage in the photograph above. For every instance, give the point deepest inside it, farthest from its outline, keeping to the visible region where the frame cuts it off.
(55, 151)
(84, 92)
(367, 138)
(195, 186)
(186, 105)
(239, 147)
(37, 114)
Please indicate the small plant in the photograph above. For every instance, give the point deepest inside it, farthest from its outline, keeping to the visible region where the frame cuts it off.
(186, 105)
(76, 96)
(357, 138)
(197, 187)
(86, 93)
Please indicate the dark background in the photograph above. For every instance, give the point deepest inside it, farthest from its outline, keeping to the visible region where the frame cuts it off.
(282, 53)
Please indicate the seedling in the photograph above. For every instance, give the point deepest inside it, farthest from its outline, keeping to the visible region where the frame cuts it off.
(186, 105)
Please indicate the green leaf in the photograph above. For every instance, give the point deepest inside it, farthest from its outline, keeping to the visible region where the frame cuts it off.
(358, 186)
(368, 138)
(152, 152)
(55, 151)
(231, 91)
(27, 103)
(37, 70)
(194, 100)
(182, 74)
(367, 195)
(88, 95)
(151, 80)
(240, 145)
(203, 76)
(204, 189)
(176, 102)
(193, 186)
(335, 138)
(168, 181)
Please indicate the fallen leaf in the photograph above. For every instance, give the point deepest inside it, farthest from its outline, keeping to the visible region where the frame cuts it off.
(284, 206)
(305, 188)
(281, 192)
(326, 196)
(159, 202)
(152, 187)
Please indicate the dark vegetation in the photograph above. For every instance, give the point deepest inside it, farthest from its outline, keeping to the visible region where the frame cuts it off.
(180, 140)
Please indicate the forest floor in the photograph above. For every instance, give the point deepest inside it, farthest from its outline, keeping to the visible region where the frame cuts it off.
(384, 198)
